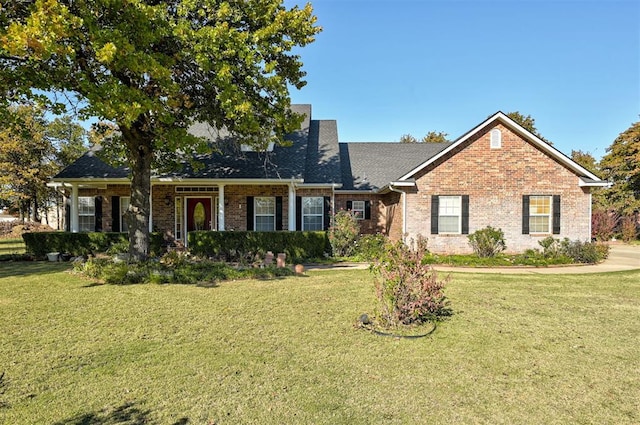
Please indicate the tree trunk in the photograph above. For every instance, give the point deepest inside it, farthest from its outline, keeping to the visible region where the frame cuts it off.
(140, 146)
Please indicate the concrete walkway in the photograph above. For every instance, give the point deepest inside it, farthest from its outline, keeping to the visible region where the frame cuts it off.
(621, 257)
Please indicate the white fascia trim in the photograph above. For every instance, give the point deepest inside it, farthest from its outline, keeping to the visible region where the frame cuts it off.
(318, 186)
(601, 183)
(87, 182)
(206, 182)
(355, 192)
(568, 162)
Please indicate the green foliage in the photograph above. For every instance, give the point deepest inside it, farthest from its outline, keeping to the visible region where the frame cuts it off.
(621, 165)
(407, 288)
(528, 123)
(83, 244)
(370, 247)
(172, 268)
(487, 242)
(344, 233)
(248, 247)
(435, 137)
(629, 228)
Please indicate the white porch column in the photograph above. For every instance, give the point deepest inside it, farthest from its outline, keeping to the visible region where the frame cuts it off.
(151, 209)
(75, 222)
(292, 207)
(220, 207)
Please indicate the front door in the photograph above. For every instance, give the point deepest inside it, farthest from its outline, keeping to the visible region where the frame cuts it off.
(198, 214)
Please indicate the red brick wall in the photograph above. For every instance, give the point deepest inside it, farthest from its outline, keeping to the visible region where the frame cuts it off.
(496, 180)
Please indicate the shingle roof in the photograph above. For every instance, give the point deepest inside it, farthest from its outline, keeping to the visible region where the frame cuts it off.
(371, 166)
(90, 166)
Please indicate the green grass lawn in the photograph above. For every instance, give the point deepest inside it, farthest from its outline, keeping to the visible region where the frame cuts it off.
(11, 246)
(549, 349)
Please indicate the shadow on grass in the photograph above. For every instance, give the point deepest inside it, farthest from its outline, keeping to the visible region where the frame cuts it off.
(27, 268)
(128, 413)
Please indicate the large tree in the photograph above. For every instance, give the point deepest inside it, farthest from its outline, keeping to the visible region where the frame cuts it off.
(153, 68)
(621, 166)
(528, 122)
(27, 160)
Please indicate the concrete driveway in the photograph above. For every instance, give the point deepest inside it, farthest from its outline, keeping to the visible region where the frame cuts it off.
(621, 257)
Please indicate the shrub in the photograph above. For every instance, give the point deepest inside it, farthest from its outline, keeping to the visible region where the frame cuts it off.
(487, 242)
(183, 271)
(244, 247)
(628, 228)
(407, 288)
(370, 247)
(603, 224)
(551, 247)
(83, 244)
(344, 233)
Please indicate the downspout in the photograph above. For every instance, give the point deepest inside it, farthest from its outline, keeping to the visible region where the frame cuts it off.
(403, 195)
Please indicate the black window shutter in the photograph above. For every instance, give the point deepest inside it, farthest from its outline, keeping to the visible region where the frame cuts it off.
(67, 214)
(465, 214)
(115, 213)
(249, 212)
(98, 206)
(327, 213)
(298, 212)
(525, 214)
(435, 202)
(278, 212)
(367, 210)
(349, 205)
(556, 214)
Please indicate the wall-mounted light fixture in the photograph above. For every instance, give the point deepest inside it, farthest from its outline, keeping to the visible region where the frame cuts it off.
(167, 200)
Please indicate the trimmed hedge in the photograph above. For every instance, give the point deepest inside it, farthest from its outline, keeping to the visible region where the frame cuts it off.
(243, 246)
(76, 244)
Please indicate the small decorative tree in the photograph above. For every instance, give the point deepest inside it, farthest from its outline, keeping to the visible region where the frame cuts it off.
(603, 224)
(344, 233)
(408, 289)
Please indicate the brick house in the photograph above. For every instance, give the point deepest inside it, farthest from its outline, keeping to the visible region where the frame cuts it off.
(497, 174)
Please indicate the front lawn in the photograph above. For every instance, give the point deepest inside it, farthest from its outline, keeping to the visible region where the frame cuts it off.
(523, 349)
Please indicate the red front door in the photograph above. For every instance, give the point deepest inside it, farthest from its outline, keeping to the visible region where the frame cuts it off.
(198, 214)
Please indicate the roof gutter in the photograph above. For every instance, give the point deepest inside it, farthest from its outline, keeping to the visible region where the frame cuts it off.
(403, 195)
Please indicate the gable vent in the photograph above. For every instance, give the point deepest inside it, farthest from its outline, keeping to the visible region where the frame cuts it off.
(496, 139)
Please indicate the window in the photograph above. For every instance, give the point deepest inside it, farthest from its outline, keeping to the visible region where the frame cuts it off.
(357, 207)
(312, 213)
(496, 139)
(265, 213)
(179, 214)
(86, 213)
(124, 206)
(539, 214)
(449, 214)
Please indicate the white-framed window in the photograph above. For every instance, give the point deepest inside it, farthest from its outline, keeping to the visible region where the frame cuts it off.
(496, 139)
(313, 213)
(540, 214)
(124, 206)
(450, 214)
(264, 208)
(87, 213)
(179, 213)
(358, 208)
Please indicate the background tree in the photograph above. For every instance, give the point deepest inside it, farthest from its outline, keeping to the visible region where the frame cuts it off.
(153, 68)
(621, 166)
(407, 138)
(433, 137)
(585, 159)
(528, 122)
(430, 137)
(26, 160)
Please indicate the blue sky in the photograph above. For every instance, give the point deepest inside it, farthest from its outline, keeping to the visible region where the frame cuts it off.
(387, 68)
